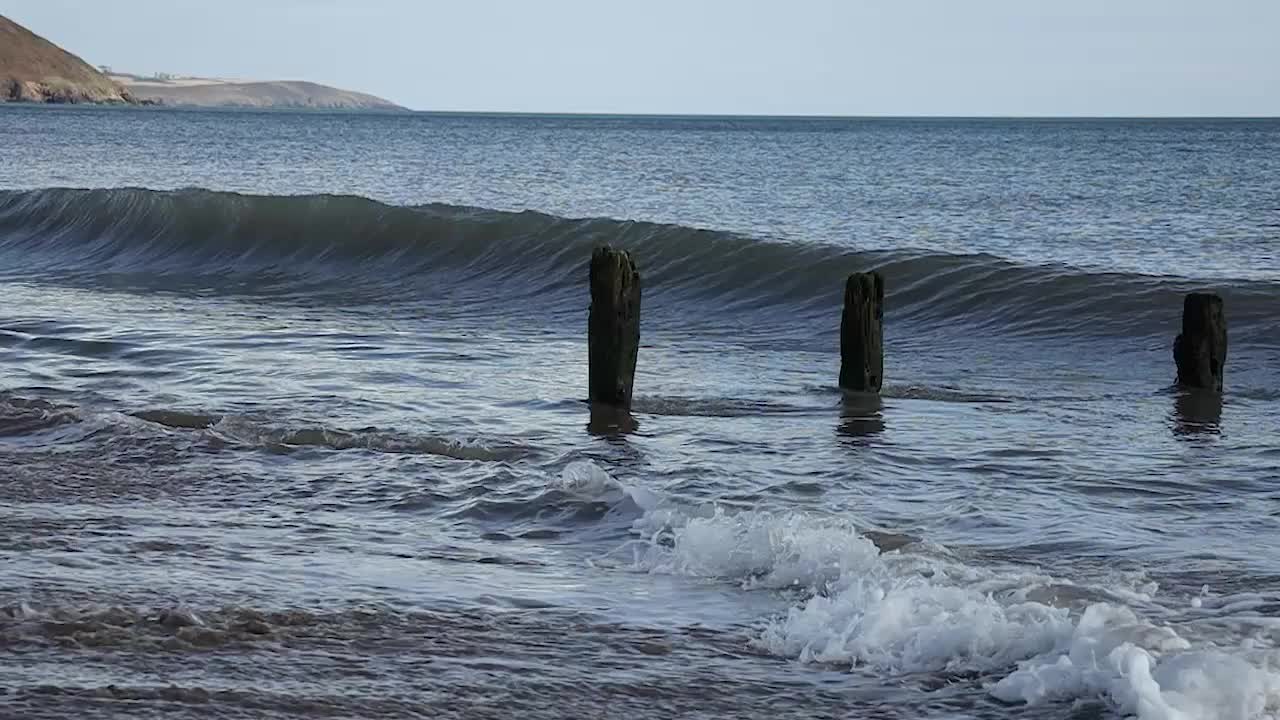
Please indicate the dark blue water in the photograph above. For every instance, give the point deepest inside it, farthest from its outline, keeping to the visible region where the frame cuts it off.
(292, 419)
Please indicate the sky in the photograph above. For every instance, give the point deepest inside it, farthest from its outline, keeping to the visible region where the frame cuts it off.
(752, 57)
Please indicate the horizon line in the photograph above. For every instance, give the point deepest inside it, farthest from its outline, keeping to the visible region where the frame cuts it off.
(402, 110)
(802, 116)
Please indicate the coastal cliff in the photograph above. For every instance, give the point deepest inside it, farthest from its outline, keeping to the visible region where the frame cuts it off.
(35, 70)
(32, 69)
(209, 92)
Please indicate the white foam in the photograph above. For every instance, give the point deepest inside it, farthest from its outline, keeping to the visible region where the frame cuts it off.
(757, 549)
(912, 625)
(1147, 671)
(586, 480)
(913, 611)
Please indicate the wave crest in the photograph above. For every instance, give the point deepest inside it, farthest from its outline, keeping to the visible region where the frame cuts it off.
(316, 244)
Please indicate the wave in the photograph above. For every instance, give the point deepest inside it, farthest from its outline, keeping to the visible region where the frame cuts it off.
(309, 245)
(907, 606)
(288, 437)
(28, 422)
(21, 416)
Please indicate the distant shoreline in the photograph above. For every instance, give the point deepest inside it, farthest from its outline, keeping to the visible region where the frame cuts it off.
(224, 109)
(190, 91)
(34, 70)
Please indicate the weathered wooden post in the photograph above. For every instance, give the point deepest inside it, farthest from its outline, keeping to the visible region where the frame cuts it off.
(862, 333)
(613, 328)
(1200, 350)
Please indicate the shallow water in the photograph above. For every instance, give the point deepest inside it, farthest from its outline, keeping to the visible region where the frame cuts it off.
(320, 449)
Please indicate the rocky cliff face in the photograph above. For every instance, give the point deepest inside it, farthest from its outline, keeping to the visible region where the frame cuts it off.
(61, 92)
(32, 69)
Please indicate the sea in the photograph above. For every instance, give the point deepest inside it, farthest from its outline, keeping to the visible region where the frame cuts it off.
(294, 421)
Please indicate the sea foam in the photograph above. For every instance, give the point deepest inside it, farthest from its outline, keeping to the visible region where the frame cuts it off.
(919, 609)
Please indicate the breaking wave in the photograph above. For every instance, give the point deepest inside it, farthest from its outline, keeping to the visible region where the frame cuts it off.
(912, 607)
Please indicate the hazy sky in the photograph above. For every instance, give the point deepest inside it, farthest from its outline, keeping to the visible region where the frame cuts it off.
(825, 57)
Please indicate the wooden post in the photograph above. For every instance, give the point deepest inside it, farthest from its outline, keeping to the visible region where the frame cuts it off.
(862, 333)
(1200, 350)
(613, 328)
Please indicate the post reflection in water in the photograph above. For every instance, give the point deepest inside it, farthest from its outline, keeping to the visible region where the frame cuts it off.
(860, 415)
(1196, 412)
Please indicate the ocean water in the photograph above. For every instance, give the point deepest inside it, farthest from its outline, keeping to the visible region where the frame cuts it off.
(293, 421)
